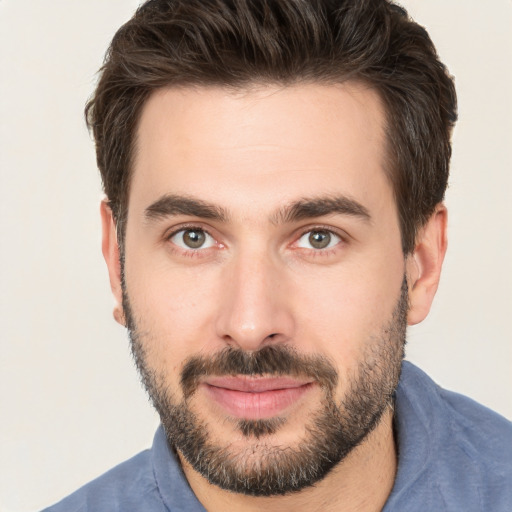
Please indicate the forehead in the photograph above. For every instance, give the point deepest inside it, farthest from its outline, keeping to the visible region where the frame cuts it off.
(260, 145)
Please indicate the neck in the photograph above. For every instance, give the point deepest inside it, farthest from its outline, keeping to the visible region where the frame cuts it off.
(361, 482)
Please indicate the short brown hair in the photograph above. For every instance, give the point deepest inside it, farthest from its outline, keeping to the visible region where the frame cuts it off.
(237, 43)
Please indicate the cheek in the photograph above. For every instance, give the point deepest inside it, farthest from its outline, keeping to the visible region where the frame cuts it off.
(344, 309)
(173, 309)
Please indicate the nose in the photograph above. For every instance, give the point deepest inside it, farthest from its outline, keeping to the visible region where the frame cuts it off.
(254, 308)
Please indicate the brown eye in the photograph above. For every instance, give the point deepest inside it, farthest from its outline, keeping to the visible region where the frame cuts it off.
(318, 239)
(193, 238)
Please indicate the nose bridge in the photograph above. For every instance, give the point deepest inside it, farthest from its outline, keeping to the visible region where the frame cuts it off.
(253, 310)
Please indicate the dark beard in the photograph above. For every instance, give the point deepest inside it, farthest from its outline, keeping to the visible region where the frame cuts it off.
(331, 434)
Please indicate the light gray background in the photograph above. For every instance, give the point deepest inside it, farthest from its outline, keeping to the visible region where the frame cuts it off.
(70, 402)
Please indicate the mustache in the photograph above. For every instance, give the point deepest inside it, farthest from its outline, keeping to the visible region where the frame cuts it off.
(273, 360)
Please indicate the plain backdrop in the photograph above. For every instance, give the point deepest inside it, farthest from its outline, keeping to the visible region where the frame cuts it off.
(70, 402)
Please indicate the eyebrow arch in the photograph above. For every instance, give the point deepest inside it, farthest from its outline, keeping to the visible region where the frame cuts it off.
(170, 205)
(320, 206)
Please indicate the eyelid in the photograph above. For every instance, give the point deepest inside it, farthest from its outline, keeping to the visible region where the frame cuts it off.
(341, 235)
(324, 227)
(334, 240)
(170, 234)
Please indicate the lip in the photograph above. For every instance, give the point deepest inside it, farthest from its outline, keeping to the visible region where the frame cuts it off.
(255, 398)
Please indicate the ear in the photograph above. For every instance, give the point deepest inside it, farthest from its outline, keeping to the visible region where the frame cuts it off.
(424, 265)
(110, 249)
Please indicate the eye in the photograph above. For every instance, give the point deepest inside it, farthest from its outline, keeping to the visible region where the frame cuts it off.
(318, 239)
(192, 238)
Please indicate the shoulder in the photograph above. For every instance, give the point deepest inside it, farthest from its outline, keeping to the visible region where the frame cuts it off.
(152, 481)
(483, 433)
(467, 453)
(130, 486)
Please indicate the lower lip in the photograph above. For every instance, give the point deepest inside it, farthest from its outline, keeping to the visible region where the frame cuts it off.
(255, 406)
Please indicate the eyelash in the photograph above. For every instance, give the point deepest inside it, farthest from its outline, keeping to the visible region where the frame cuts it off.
(201, 253)
(319, 228)
(191, 253)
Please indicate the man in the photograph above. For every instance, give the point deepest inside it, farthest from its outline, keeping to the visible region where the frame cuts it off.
(275, 173)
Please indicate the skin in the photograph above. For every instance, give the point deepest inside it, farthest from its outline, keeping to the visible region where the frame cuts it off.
(258, 281)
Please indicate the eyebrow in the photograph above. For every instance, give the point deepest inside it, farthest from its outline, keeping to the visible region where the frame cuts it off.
(318, 207)
(171, 205)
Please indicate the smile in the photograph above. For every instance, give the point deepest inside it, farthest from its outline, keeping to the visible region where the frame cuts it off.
(255, 398)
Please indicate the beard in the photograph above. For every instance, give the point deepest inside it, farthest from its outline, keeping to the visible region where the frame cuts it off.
(330, 433)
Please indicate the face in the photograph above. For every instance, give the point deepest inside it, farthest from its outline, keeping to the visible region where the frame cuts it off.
(264, 278)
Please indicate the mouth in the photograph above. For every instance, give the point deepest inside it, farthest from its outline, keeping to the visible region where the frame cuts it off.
(255, 398)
